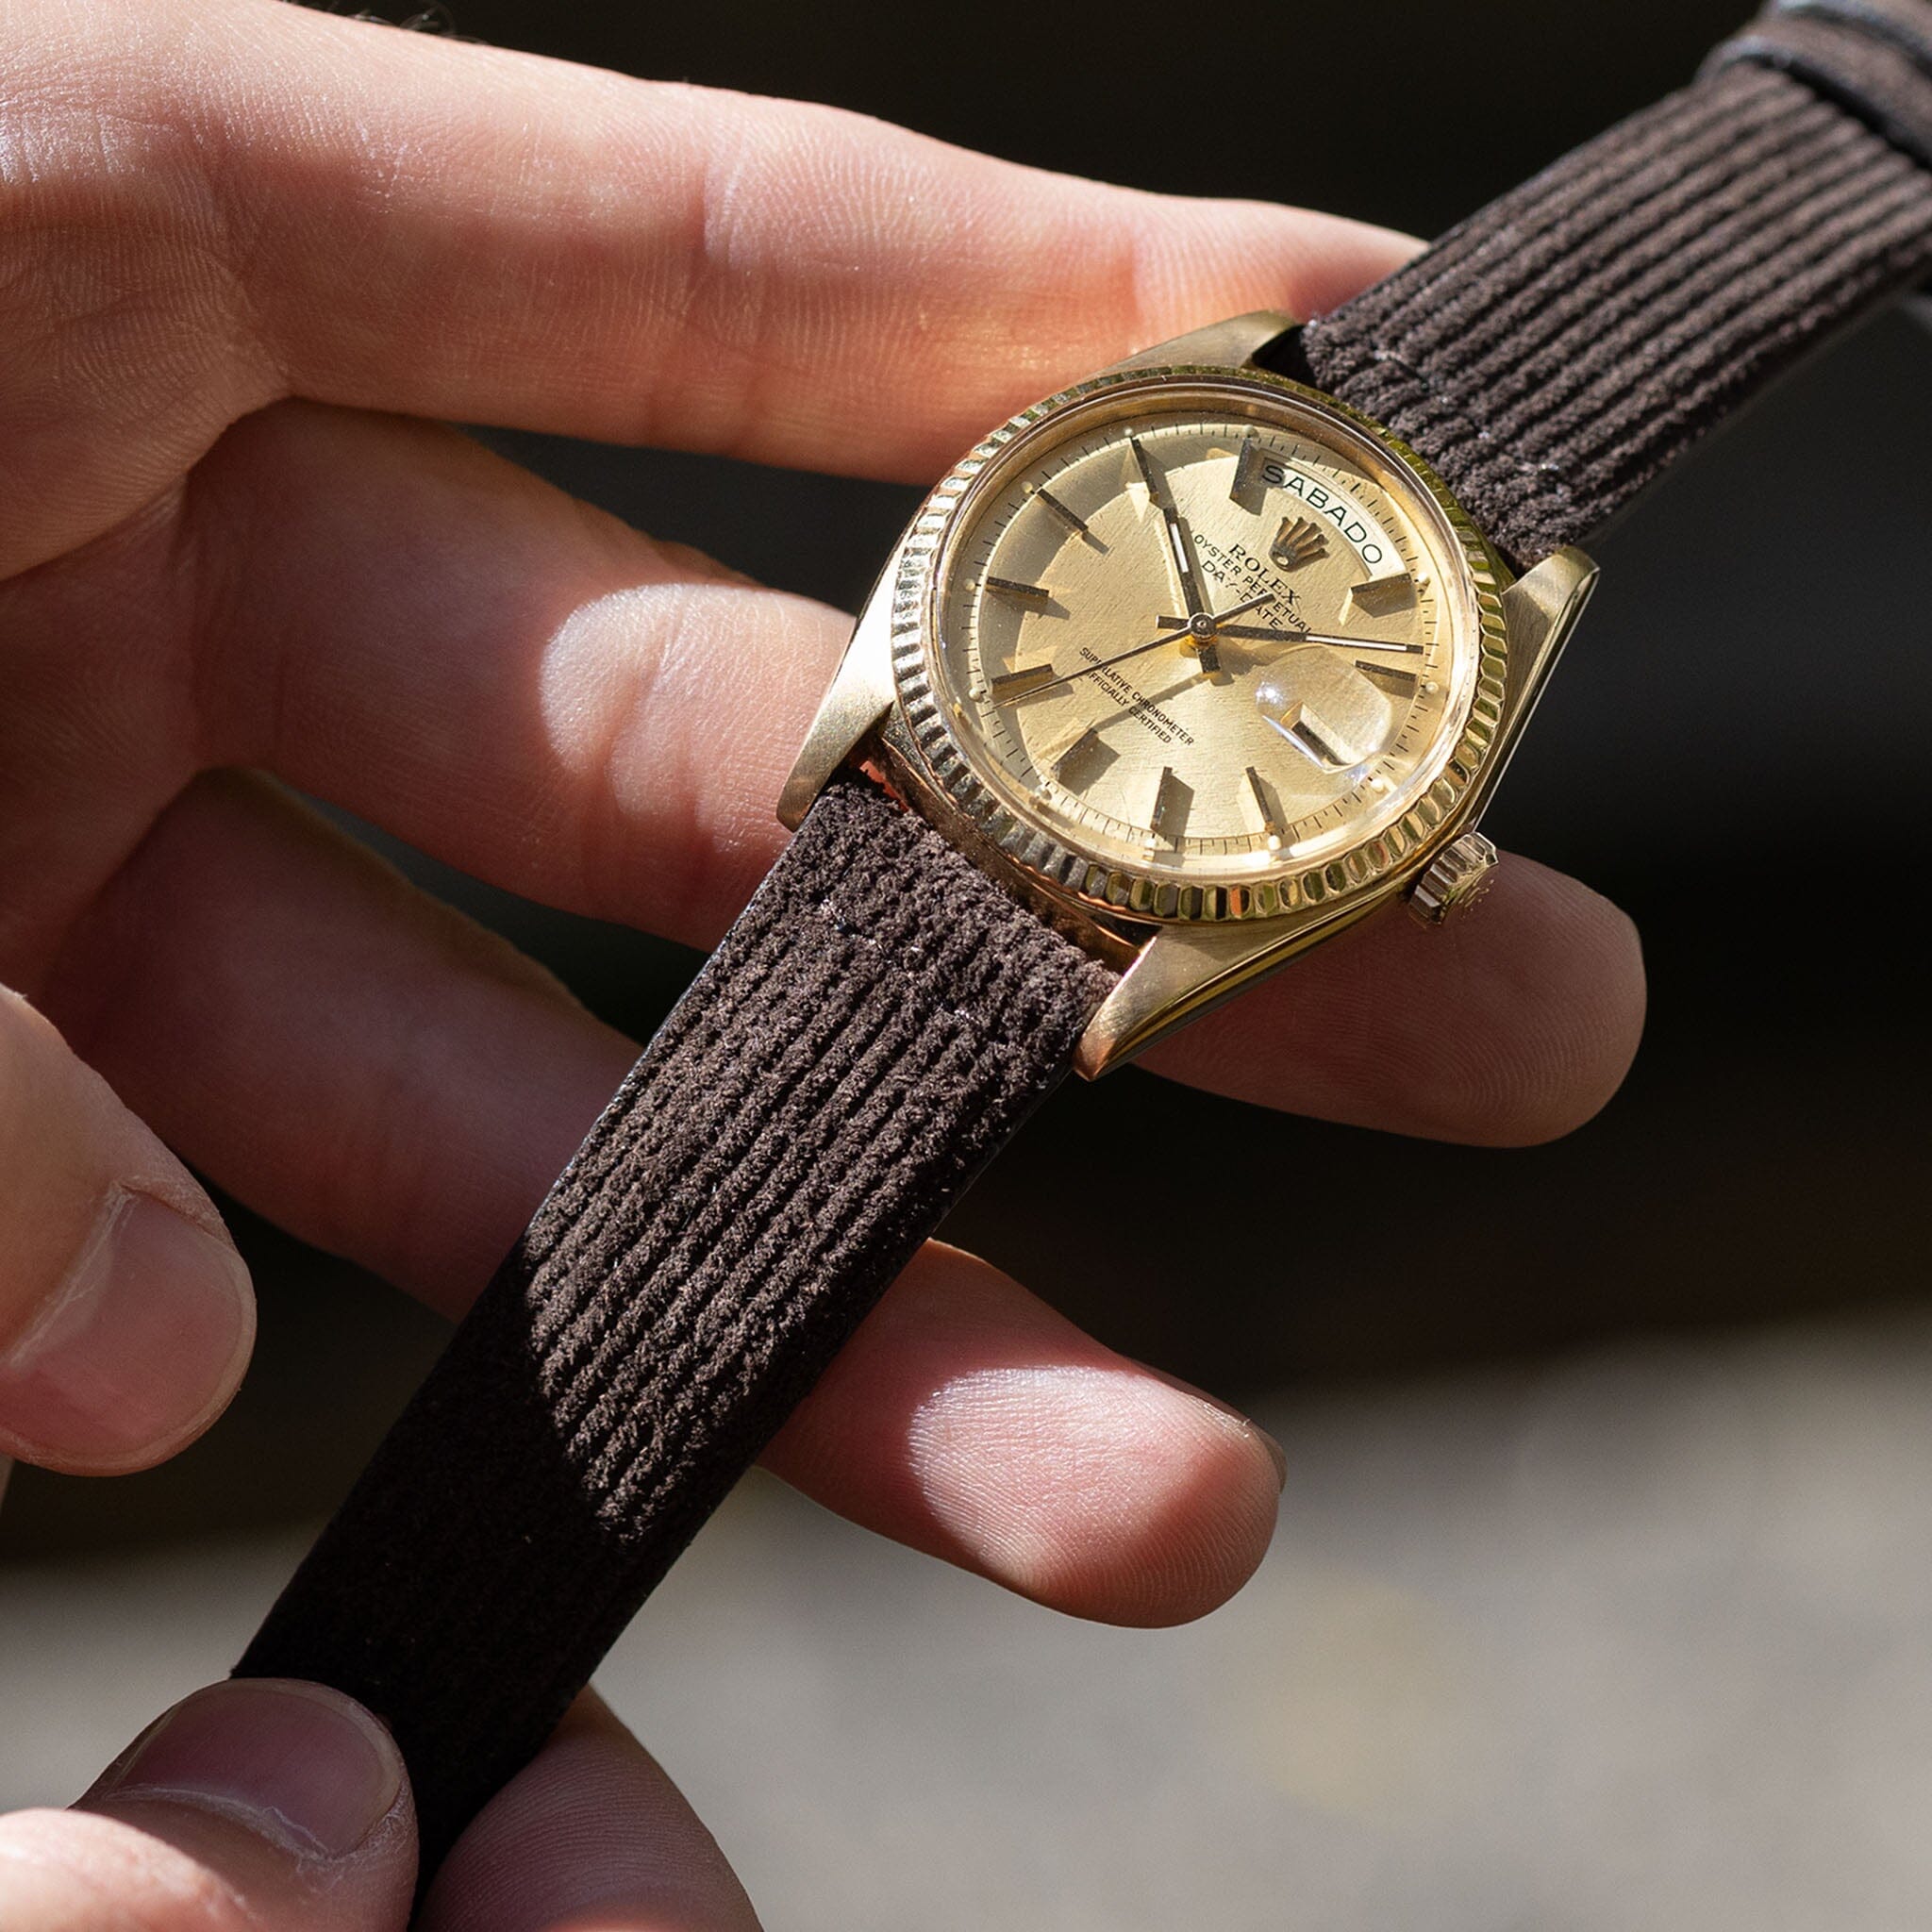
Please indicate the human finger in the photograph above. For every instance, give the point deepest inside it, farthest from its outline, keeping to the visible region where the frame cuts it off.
(126, 1313)
(1512, 1024)
(257, 1806)
(968, 1420)
(590, 1833)
(444, 1081)
(400, 622)
(290, 204)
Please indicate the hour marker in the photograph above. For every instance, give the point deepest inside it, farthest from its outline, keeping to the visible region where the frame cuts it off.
(1016, 684)
(1057, 508)
(1083, 761)
(1377, 596)
(1321, 741)
(1171, 802)
(1271, 815)
(1309, 734)
(1399, 684)
(1033, 596)
(1250, 486)
(1376, 645)
(1144, 466)
(1299, 541)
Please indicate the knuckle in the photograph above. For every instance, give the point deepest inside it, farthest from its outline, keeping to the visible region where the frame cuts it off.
(120, 233)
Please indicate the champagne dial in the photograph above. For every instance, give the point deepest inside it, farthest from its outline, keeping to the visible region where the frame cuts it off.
(1202, 632)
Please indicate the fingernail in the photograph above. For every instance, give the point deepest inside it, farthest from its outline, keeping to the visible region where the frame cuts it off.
(303, 1767)
(1276, 1454)
(140, 1347)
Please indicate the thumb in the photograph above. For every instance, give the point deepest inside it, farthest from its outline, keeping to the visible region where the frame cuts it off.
(256, 1806)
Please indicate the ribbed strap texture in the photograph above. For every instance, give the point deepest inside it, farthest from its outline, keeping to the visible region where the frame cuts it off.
(1874, 57)
(1554, 353)
(871, 1031)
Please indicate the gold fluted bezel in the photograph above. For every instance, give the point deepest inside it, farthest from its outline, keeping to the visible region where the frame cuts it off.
(1103, 883)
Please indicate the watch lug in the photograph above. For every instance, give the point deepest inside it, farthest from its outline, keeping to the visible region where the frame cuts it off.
(1540, 610)
(859, 696)
(1184, 970)
(1230, 344)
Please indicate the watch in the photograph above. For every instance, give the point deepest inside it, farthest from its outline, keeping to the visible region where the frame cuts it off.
(1190, 667)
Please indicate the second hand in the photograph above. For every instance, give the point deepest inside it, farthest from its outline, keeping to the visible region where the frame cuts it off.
(1264, 634)
(1027, 683)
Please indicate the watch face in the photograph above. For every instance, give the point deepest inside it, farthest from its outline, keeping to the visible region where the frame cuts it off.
(1190, 645)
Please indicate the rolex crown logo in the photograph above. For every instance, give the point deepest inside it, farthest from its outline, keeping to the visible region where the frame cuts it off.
(1299, 541)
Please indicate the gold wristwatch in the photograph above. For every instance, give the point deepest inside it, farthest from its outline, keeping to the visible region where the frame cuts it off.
(1206, 665)
(1193, 665)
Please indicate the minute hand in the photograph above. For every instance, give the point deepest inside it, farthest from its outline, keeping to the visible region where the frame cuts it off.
(1317, 637)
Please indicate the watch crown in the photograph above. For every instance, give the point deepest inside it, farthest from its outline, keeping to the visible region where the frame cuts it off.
(1458, 876)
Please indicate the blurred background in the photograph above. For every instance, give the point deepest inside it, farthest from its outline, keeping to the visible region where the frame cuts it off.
(1604, 1583)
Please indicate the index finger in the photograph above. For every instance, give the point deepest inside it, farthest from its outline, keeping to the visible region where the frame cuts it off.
(402, 222)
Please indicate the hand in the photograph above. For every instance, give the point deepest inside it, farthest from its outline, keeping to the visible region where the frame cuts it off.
(236, 556)
(267, 1807)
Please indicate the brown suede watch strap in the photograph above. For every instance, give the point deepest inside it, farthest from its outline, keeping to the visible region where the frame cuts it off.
(872, 1029)
(884, 1015)
(1552, 354)
(1874, 57)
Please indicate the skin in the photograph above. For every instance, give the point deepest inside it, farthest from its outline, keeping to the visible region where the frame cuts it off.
(239, 558)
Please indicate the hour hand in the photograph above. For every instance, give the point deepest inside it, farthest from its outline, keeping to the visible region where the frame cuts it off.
(1156, 480)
